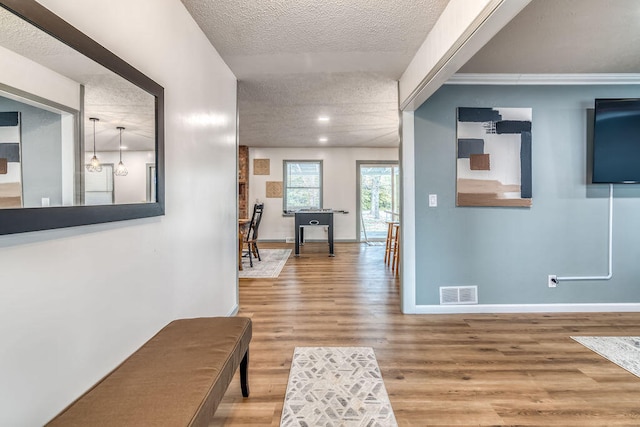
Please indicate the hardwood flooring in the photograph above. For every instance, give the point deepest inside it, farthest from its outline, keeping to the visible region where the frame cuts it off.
(439, 370)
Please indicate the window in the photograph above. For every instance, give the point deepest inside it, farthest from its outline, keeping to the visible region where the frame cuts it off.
(302, 184)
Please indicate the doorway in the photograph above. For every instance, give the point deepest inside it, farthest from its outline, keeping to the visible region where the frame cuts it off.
(151, 182)
(378, 197)
(98, 186)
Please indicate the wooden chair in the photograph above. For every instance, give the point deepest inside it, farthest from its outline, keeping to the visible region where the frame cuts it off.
(252, 233)
(396, 249)
(388, 254)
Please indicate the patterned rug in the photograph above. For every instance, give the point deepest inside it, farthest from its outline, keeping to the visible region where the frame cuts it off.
(623, 351)
(269, 268)
(336, 386)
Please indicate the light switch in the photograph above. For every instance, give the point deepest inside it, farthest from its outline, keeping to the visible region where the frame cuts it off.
(433, 200)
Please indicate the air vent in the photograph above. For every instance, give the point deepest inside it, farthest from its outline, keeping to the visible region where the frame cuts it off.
(450, 295)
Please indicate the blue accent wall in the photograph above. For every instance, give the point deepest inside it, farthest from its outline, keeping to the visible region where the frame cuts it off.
(508, 252)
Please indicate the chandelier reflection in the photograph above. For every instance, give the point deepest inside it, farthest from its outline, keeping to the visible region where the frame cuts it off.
(94, 165)
(121, 170)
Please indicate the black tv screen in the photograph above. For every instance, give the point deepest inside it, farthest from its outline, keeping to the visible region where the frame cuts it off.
(616, 141)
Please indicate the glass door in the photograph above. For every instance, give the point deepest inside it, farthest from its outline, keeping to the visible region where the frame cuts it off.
(378, 199)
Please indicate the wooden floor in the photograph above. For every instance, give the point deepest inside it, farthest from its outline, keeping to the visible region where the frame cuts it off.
(471, 370)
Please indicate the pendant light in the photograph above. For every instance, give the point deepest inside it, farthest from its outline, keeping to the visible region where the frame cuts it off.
(94, 165)
(121, 170)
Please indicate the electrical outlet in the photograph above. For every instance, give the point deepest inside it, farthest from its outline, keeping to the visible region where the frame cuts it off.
(552, 280)
(433, 200)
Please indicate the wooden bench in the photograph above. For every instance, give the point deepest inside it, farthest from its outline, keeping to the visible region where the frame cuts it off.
(177, 378)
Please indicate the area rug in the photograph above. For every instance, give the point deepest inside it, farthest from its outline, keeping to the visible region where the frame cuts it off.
(623, 351)
(269, 268)
(336, 386)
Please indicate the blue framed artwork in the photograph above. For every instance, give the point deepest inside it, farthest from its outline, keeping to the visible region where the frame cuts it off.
(493, 157)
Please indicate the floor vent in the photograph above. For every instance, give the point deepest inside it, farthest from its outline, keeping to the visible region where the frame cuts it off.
(458, 295)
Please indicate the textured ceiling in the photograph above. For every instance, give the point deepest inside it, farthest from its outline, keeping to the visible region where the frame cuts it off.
(362, 108)
(298, 59)
(565, 36)
(350, 35)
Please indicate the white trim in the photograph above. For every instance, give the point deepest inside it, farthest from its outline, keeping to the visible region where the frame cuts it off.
(526, 308)
(462, 29)
(544, 79)
(234, 311)
(408, 215)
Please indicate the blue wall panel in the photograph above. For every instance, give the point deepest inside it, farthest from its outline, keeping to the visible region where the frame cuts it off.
(508, 252)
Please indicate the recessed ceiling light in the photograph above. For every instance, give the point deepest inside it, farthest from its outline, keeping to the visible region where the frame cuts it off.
(323, 139)
(323, 119)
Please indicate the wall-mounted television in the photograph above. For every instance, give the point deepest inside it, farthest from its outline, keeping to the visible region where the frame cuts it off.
(616, 141)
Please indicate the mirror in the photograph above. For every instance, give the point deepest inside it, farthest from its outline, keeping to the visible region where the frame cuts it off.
(81, 131)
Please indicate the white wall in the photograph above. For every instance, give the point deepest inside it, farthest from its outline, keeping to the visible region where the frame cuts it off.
(75, 302)
(68, 142)
(339, 192)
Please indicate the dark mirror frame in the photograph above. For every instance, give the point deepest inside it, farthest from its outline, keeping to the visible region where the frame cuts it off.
(34, 219)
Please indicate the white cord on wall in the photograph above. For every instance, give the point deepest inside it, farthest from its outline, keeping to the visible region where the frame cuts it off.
(608, 276)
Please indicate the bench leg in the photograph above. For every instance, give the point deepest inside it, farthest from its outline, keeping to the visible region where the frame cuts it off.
(244, 374)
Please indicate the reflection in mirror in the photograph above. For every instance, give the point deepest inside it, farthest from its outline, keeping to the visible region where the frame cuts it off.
(10, 158)
(39, 154)
(49, 93)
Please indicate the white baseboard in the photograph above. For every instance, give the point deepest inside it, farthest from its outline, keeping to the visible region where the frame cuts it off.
(526, 308)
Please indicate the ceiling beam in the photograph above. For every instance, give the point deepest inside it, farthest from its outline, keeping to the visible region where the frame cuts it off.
(462, 29)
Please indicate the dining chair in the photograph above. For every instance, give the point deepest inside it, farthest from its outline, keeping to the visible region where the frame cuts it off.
(390, 242)
(252, 233)
(395, 266)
